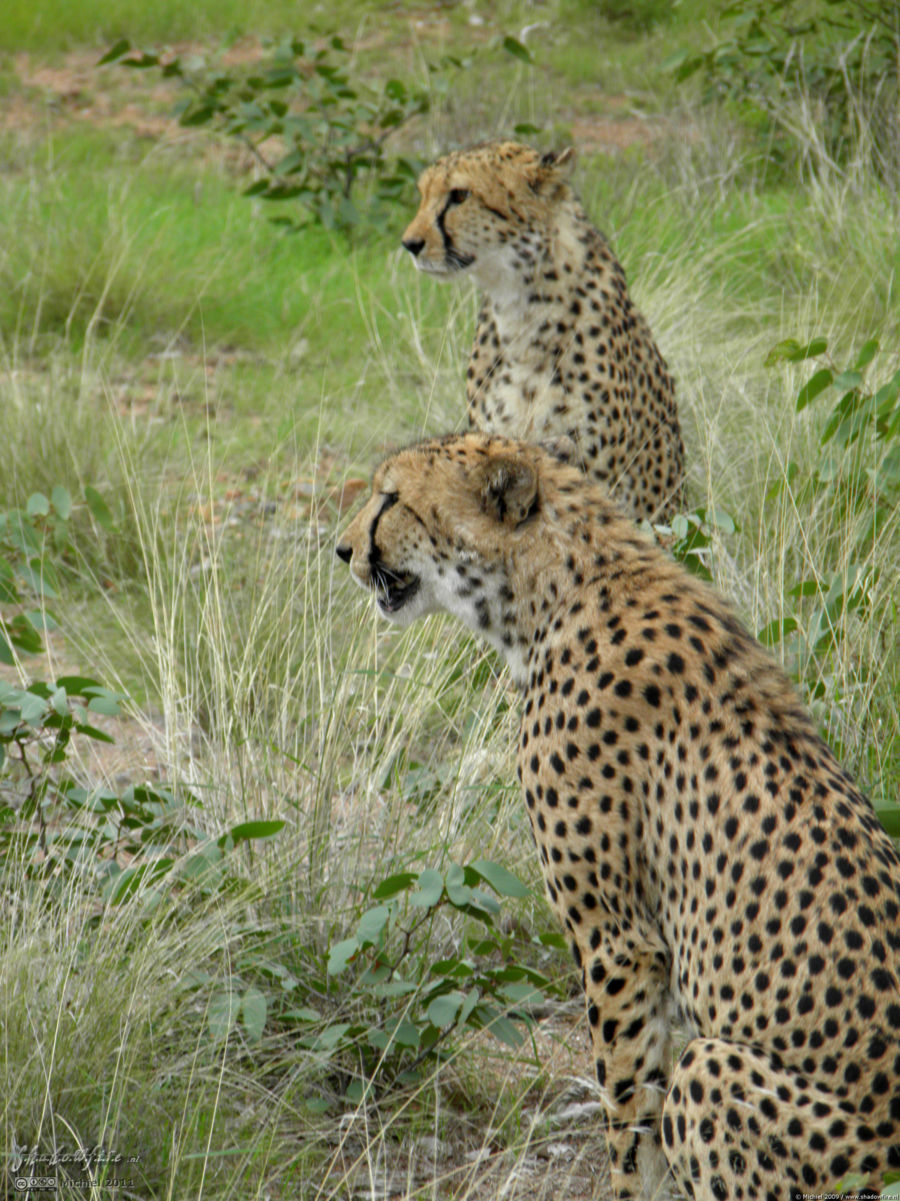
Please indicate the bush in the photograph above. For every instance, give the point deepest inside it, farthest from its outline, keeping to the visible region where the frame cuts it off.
(844, 57)
(856, 481)
(318, 133)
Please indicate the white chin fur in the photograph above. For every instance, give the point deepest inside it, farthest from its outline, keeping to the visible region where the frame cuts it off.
(438, 269)
(417, 606)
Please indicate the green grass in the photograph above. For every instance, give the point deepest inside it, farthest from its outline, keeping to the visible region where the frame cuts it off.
(55, 24)
(161, 342)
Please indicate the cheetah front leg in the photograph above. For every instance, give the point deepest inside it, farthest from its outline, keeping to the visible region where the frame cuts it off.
(626, 986)
(737, 1122)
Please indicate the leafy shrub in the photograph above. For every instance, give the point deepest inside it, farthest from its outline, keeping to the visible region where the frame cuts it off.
(694, 534)
(51, 825)
(331, 129)
(414, 1002)
(146, 845)
(843, 54)
(317, 131)
(857, 477)
(27, 578)
(860, 466)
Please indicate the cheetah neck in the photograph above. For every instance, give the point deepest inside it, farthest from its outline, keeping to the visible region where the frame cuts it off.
(594, 571)
(550, 578)
(523, 277)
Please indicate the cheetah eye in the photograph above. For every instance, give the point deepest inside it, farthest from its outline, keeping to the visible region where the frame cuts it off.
(457, 195)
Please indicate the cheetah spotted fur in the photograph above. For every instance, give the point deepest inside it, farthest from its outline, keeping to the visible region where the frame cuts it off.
(699, 841)
(560, 350)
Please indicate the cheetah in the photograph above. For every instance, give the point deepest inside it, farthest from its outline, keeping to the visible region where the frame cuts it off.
(560, 350)
(709, 858)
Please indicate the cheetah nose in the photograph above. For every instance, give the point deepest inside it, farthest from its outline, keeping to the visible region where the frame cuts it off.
(344, 553)
(414, 245)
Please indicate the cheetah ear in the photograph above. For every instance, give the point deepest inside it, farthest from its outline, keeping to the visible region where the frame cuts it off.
(509, 490)
(553, 171)
(560, 161)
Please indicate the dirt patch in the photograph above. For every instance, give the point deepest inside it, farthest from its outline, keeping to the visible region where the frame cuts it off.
(605, 134)
(79, 89)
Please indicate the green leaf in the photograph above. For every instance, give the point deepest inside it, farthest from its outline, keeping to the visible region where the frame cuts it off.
(867, 354)
(92, 732)
(468, 1006)
(35, 619)
(393, 884)
(253, 1013)
(887, 395)
(248, 830)
(379, 1039)
(106, 705)
(341, 954)
(395, 89)
(76, 685)
(38, 505)
(522, 993)
(372, 923)
(501, 880)
(32, 708)
(61, 501)
(222, 1015)
(98, 507)
(718, 519)
(514, 47)
(849, 380)
(805, 588)
(332, 1035)
(198, 115)
(122, 46)
(430, 890)
(305, 1013)
(23, 637)
(443, 1010)
(481, 900)
(889, 816)
(394, 988)
(503, 1029)
(776, 631)
(457, 891)
(671, 61)
(406, 1034)
(791, 351)
(814, 387)
(457, 969)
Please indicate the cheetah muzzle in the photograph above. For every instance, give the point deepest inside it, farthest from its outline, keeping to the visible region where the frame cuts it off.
(392, 591)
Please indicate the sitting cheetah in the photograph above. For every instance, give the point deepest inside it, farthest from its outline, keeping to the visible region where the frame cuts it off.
(560, 350)
(705, 851)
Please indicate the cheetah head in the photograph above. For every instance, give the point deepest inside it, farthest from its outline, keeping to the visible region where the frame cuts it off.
(439, 530)
(481, 208)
